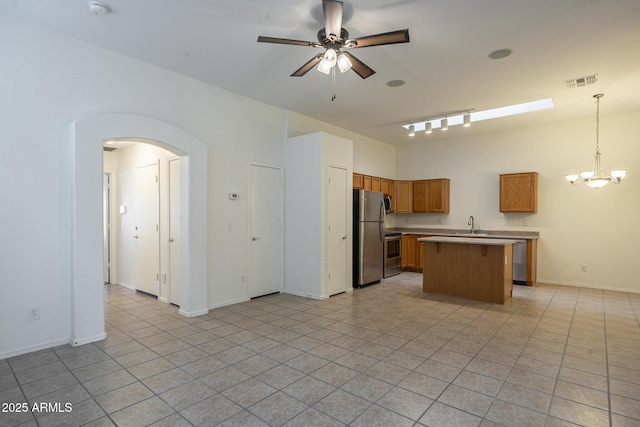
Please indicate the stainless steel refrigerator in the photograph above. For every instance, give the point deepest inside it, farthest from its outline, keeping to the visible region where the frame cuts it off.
(368, 239)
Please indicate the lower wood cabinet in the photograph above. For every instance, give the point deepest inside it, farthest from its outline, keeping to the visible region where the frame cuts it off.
(412, 252)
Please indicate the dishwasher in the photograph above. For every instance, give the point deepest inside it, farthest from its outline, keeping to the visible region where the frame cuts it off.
(520, 262)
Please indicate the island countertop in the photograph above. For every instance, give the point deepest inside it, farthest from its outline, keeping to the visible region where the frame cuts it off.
(468, 240)
(456, 232)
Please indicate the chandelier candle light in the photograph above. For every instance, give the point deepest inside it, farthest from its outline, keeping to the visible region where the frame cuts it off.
(596, 178)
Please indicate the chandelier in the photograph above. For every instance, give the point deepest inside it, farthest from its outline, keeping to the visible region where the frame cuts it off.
(596, 178)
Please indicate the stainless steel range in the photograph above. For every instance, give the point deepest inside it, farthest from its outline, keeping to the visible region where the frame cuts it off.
(392, 254)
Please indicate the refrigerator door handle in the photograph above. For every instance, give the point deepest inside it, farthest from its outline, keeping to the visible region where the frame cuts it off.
(381, 223)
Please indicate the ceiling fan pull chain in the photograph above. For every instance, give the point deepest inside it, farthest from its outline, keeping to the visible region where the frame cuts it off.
(333, 78)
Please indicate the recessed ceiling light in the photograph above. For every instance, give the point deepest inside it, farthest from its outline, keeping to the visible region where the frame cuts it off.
(500, 53)
(395, 83)
(98, 8)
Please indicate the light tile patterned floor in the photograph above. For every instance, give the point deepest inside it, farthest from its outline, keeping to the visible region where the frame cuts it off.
(385, 355)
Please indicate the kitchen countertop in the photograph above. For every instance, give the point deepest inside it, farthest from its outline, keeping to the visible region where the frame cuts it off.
(468, 240)
(486, 234)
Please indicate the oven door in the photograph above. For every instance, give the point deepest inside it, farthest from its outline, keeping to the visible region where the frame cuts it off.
(392, 256)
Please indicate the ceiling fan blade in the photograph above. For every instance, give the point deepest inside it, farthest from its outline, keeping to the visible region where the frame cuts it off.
(393, 37)
(332, 18)
(359, 67)
(263, 39)
(308, 66)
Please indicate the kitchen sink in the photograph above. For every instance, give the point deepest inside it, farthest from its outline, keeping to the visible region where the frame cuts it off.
(472, 234)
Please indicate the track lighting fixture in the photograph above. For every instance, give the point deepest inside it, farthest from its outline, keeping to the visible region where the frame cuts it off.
(466, 116)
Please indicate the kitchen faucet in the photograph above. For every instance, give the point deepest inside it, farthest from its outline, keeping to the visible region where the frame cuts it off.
(471, 223)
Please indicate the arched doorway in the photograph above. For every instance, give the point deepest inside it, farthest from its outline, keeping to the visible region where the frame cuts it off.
(86, 244)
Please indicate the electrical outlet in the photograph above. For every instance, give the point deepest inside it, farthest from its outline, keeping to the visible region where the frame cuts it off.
(508, 222)
(34, 313)
(243, 278)
(583, 268)
(525, 222)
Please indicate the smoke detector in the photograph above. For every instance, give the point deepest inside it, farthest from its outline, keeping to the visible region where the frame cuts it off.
(98, 8)
(581, 81)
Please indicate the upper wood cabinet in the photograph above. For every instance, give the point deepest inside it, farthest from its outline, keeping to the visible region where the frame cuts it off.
(404, 196)
(439, 195)
(375, 183)
(385, 185)
(431, 196)
(367, 182)
(421, 196)
(519, 192)
(358, 181)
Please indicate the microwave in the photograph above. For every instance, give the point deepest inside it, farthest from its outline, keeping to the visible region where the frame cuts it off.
(388, 206)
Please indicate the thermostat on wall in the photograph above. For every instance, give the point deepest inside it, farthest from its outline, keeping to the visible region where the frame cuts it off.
(234, 196)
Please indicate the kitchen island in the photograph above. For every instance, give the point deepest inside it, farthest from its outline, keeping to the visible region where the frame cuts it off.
(468, 267)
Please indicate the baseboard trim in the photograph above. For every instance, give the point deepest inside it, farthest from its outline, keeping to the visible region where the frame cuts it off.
(88, 340)
(193, 313)
(300, 294)
(236, 301)
(31, 349)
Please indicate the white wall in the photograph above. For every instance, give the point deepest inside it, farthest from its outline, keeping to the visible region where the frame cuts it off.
(49, 81)
(577, 225)
(307, 158)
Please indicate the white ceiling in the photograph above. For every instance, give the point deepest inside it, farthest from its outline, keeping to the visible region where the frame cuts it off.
(445, 66)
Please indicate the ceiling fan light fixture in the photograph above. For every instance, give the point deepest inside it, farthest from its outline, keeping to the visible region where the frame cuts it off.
(328, 61)
(344, 63)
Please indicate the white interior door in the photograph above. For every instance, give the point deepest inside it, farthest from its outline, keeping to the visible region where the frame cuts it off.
(265, 230)
(146, 252)
(174, 231)
(337, 226)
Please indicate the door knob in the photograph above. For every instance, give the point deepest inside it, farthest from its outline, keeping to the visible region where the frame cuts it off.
(171, 239)
(135, 236)
(344, 237)
(254, 238)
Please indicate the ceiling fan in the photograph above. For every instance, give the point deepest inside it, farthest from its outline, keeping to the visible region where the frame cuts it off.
(333, 38)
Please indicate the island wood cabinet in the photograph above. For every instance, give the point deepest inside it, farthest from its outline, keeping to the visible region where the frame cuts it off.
(431, 196)
(519, 192)
(479, 269)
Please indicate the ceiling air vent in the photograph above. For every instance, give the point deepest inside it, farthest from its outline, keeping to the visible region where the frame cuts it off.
(581, 81)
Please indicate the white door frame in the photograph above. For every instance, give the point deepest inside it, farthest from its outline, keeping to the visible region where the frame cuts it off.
(86, 243)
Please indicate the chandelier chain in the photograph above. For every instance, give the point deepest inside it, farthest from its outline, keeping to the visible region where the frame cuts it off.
(597, 124)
